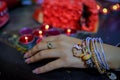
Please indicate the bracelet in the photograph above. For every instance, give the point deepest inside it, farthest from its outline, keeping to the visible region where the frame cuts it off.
(102, 70)
(81, 51)
(93, 55)
(88, 62)
(100, 57)
(101, 42)
(95, 60)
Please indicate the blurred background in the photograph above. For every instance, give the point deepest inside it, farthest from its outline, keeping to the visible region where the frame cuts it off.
(21, 15)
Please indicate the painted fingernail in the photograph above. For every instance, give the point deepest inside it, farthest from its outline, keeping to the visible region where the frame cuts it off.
(27, 61)
(36, 71)
(26, 55)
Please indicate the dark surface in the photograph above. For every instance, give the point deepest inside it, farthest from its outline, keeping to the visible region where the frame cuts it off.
(12, 66)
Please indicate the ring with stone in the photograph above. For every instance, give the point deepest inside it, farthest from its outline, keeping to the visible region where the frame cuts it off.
(50, 45)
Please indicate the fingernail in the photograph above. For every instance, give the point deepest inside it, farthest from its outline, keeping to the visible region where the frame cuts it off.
(26, 55)
(27, 61)
(36, 71)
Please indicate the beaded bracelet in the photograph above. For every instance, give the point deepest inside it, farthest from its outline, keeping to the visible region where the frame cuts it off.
(101, 57)
(102, 70)
(93, 55)
(95, 59)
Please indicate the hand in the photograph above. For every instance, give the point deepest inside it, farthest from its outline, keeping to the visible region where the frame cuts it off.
(61, 49)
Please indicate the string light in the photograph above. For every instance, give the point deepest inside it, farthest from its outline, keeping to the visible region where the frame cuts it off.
(114, 7)
(46, 27)
(105, 10)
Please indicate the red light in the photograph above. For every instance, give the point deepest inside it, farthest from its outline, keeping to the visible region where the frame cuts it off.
(68, 30)
(40, 32)
(46, 27)
(26, 39)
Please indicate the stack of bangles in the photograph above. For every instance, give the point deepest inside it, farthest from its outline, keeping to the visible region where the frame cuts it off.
(93, 55)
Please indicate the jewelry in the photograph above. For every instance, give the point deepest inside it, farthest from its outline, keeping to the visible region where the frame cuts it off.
(93, 55)
(98, 64)
(94, 59)
(77, 51)
(50, 45)
(81, 51)
(106, 64)
(89, 62)
(100, 57)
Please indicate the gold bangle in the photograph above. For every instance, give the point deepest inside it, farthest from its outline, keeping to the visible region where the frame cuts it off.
(81, 51)
(97, 64)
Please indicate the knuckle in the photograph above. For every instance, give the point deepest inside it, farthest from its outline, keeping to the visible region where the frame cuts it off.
(49, 65)
(32, 59)
(41, 53)
(44, 68)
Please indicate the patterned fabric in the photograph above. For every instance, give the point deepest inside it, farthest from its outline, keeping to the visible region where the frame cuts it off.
(74, 14)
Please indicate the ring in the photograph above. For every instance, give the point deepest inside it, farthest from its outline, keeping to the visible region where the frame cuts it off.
(50, 45)
(77, 51)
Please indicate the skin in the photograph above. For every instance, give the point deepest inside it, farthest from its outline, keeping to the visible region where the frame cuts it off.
(62, 50)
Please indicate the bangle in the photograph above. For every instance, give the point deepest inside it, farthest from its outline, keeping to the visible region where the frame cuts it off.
(102, 51)
(100, 55)
(94, 58)
(93, 55)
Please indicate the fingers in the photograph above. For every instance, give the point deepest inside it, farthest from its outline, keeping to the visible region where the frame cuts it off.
(50, 53)
(39, 47)
(35, 49)
(50, 66)
(42, 45)
(44, 50)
